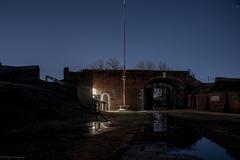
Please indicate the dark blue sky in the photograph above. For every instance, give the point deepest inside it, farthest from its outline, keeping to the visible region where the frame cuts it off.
(203, 35)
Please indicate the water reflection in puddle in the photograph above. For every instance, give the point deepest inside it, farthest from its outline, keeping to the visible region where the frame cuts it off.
(96, 127)
(159, 122)
(204, 149)
(170, 138)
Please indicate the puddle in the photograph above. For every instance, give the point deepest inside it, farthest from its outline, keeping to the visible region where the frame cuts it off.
(96, 127)
(204, 149)
(170, 138)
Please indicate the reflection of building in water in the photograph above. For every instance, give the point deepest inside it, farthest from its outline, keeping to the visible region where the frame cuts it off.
(97, 127)
(159, 122)
(170, 130)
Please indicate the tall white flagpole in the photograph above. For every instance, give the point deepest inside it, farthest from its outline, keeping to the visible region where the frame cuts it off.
(124, 53)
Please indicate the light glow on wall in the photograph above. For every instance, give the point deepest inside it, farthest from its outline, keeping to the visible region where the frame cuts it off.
(94, 91)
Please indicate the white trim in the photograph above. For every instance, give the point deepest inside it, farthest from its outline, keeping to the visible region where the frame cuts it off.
(101, 98)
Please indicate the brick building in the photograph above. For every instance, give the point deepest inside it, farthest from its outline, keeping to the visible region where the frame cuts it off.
(145, 89)
(222, 96)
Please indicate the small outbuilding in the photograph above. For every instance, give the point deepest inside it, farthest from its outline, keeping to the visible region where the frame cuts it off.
(223, 96)
(19, 73)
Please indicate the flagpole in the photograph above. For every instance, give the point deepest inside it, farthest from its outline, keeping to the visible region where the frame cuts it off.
(124, 53)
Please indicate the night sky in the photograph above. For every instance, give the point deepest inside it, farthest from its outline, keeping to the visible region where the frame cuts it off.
(203, 35)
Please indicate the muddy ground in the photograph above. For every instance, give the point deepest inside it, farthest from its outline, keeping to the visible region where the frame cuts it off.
(223, 129)
(110, 143)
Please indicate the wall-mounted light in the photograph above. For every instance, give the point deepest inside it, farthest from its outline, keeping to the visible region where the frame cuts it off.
(94, 91)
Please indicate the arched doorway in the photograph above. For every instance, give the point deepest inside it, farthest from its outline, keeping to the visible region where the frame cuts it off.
(105, 102)
(158, 95)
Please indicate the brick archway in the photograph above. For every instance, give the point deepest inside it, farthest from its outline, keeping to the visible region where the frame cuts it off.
(163, 93)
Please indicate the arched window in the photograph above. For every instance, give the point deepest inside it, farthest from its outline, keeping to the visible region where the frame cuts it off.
(105, 102)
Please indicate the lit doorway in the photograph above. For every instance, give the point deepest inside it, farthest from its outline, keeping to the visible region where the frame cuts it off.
(105, 102)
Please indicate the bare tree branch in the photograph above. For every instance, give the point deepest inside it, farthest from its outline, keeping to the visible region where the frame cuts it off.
(140, 65)
(163, 66)
(98, 65)
(113, 64)
(150, 65)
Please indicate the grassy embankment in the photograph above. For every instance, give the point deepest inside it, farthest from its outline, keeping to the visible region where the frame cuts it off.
(36, 120)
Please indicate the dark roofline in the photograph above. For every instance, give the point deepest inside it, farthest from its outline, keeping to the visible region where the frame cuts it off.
(4, 68)
(224, 79)
(130, 70)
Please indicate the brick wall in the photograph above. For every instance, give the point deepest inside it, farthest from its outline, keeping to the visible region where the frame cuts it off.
(234, 99)
(219, 101)
(110, 81)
